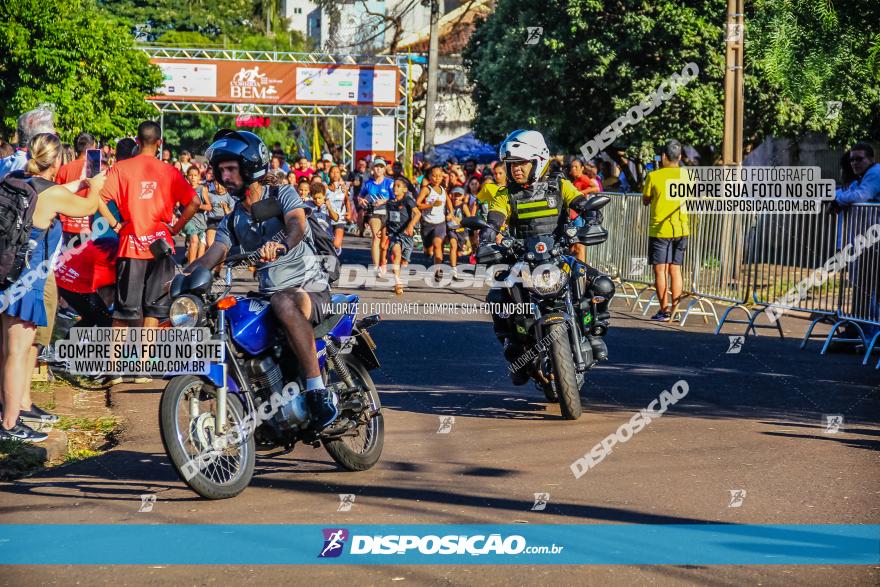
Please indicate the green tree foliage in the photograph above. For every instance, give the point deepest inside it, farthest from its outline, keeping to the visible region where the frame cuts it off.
(230, 24)
(812, 53)
(212, 18)
(69, 54)
(225, 24)
(596, 59)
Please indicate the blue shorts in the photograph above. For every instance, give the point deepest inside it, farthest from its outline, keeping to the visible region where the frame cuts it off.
(663, 251)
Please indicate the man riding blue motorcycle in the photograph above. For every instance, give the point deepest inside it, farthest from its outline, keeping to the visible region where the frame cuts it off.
(289, 269)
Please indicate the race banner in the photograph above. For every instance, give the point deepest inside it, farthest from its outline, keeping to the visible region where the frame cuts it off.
(263, 82)
(375, 136)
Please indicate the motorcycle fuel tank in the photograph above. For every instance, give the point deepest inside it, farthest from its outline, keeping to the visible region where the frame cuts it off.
(252, 324)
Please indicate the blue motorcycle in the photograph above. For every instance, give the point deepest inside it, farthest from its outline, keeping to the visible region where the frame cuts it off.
(252, 400)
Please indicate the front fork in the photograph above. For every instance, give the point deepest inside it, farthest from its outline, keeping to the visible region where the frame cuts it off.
(222, 390)
(574, 337)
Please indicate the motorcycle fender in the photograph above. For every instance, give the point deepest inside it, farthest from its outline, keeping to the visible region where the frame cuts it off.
(365, 349)
(547, 320)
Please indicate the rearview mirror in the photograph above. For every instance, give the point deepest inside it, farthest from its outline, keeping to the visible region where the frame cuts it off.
(595, 203)
(266, 209)
(160, 249)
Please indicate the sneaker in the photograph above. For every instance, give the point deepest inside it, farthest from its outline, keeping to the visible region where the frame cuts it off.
(38, 415)
(68, 314)
(661, 316)
(438, 275)
(455, 275)
(111, 380)
(143, 379)
(323, 407)
(23, 433)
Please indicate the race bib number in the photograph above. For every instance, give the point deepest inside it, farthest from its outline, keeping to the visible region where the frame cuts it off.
(394, 216)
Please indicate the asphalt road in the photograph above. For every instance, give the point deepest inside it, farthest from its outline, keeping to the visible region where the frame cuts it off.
(751, 421)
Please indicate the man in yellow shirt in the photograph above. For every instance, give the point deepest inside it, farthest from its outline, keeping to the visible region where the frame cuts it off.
(668, 230)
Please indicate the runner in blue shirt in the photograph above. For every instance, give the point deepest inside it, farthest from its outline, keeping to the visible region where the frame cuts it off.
(374, 194)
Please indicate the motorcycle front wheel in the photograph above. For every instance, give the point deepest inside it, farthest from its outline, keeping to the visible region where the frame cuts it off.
(187, 422)
(565, 379)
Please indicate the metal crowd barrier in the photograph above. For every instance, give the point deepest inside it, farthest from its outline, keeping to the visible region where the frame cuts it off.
(857, 313)
(751, 261)
(624, 256)
(719, 263)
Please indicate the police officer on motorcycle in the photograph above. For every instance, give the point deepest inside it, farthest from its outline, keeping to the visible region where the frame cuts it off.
(535, 202)
(289, 270)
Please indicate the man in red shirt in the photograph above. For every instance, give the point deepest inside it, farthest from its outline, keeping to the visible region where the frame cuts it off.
(71, 172)
(146, 191)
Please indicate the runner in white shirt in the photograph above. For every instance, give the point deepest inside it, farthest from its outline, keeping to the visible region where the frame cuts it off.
(432, 203)
(337, 197)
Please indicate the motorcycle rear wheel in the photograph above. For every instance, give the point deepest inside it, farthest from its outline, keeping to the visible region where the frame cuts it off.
(360, 452)
(186, 435)
(564, 377)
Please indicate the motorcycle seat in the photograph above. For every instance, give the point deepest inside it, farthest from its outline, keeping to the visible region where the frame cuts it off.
(327, 324)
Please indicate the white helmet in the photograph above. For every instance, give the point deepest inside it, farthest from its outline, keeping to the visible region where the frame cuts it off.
(526, 145)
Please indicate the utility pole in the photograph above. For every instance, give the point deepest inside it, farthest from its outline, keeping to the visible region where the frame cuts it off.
(732, 151)
(268, 7)
(431, 98)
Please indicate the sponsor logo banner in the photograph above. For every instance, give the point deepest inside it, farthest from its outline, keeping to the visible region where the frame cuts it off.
(582, 544)
(261, 82)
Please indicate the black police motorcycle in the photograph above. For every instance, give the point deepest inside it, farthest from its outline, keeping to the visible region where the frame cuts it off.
(568, 301)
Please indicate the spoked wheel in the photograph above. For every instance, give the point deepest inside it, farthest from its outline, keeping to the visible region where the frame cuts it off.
(216, 466)
(359, 448)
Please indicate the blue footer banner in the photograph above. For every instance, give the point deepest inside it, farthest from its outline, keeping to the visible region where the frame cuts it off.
(519, 544)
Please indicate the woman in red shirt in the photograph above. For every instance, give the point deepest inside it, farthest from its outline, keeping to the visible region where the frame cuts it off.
(583, 182)
(586, 186)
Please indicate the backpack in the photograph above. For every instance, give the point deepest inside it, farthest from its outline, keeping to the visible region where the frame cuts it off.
(322, 243)
(18, 199)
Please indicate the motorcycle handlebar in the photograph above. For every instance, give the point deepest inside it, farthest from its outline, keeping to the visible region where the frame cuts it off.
(234, 259)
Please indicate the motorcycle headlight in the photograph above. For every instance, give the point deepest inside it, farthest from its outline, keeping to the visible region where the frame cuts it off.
(186, 312)
(549, 282)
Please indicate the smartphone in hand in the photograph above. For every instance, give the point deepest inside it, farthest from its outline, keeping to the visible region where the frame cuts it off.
(93, 162)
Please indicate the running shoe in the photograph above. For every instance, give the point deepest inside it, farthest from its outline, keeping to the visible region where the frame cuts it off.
(662, 316)
(37, 415)
(22, 432)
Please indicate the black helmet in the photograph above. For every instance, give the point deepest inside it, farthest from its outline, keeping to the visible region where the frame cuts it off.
(239, 145)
